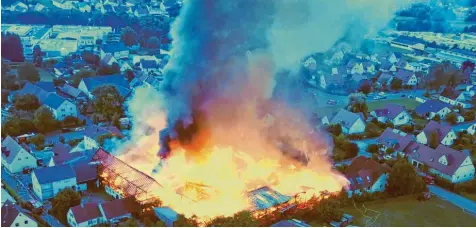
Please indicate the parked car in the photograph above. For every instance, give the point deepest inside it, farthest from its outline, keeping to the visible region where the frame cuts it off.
(331, 102)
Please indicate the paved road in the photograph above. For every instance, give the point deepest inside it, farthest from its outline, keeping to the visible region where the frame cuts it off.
(464, 203)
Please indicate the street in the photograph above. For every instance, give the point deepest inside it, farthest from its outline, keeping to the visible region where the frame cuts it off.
(466, 204)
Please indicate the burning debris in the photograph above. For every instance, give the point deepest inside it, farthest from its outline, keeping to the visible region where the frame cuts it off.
(230, 115)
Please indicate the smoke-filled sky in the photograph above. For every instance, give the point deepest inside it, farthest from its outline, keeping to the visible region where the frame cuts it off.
(215, 40)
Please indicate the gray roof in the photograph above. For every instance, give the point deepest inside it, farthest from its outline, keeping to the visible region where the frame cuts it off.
(431, 106)
(53, 101)
(404, 75)
(117, 81)
(390, 111)
(345, 118)
(54, 173)
(431, 157)
(10, 149)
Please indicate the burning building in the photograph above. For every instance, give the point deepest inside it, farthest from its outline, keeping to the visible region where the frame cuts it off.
(232, 114)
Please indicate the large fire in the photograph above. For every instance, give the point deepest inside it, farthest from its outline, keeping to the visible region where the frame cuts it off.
(215, 181)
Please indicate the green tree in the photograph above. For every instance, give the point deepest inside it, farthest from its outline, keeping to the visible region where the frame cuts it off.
(64, 200)
(15, 126)
(452, 118)
(357, 104)
(434, 140)
(104, 137)
(83, 73)
(131, 222)
(37, 56)
(44, 120)
(107, 102)
(240, 219)
(109, 70)
(427, 94)
(436, 118)
(153, 42)
(28, 72)
(329, 210)
(27, 102)
(390, 150)
(38, 140)
(396, 84)
(12, 48)
(372, 148)
(335, 129)
(404, 180)
(183, 221)
(128, 36)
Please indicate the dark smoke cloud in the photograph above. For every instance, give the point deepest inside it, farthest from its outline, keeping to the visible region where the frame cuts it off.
(214, 40)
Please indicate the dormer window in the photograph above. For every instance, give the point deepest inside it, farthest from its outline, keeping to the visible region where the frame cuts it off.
(359, 180)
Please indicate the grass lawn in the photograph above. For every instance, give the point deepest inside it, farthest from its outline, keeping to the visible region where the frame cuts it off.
(410, 104)
(407, 211)
(471, 196)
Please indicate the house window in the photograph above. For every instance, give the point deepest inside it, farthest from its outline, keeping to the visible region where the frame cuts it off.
(26, 221)
(16, 224)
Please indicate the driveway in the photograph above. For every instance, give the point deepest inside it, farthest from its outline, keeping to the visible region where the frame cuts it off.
(466, 204)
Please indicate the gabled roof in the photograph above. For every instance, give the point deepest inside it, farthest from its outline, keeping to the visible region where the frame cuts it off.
(390, 111)
(386, 65)
(392, 139)
(431, 106)
(61, 148)
(346, 118)
(115, 47)
(358, 77)
(441, 129)
(47, 86)
(86, 212)
(431, 157)
(451, 93)
(119, 207)
(407, 40)
(10, 212)
(117, 80)
(71, 91)
(93, 131)
(364, 172)
(10, 149)
(30, 88)
(54, 173)
(85, 172)
(404, 75)
(54, 101)
(385, 77)
(148, 64)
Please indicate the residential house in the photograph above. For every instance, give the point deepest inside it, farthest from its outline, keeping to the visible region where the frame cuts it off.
(38, 89)
(331, 81)
(85, 215)
(408, 77)
(19, 7)
(352, 123)
(146, 80)
(446, 134)
(92, 132)
(60, 107)
(310, 63)
(148, 66)
(16, 157)
(387, 66)
(454, 97)
(366, 175)
(118, 50)
(471, 129)
(459, 118)
(71, 93)
(84, 7)
(404, 65)
(87, 85)
(86, 176)
(119, 209)
(62, 155)
(354, 67)
(47, 182)
(396, 114)
(388, 56)
(337, 57)
(63, 4)
(108, 59)
(166, 215)
(385, 79)
(6, 197)
(430, 108)
(141, 11)
(369, 67)
(395, 139)
(15, 216)
(40, 7)
(452, 165)
(291, 223)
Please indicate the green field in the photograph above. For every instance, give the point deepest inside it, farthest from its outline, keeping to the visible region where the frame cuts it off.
(410, 104)
(471, 196)
(407, 211)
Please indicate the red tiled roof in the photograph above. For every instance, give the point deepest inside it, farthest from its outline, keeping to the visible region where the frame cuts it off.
(86, 212)
(363, 172)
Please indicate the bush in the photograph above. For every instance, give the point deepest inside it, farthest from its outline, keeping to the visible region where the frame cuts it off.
(407, 128)
(373, 148)
(38, 140)
(390, 150)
